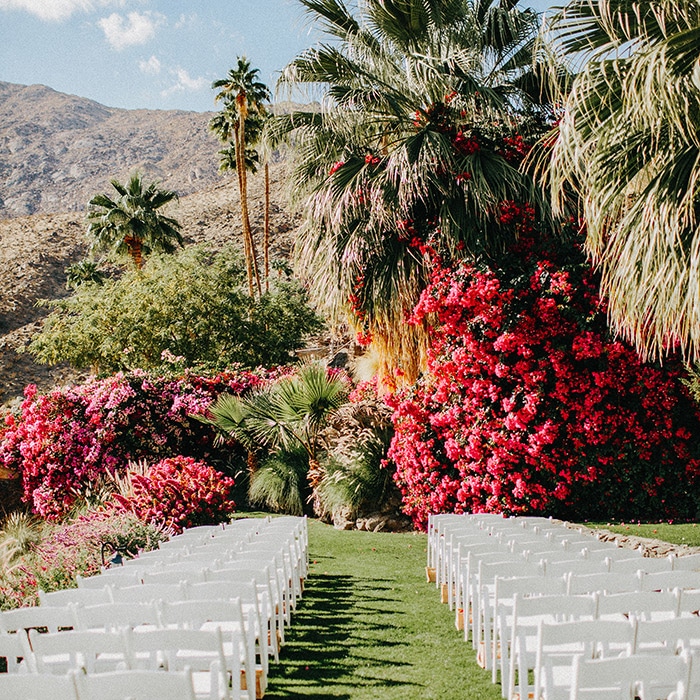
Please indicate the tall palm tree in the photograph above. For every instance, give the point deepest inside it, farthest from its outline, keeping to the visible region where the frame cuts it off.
(629, 146)
(243, 97)
(132, 223)
(415, 94)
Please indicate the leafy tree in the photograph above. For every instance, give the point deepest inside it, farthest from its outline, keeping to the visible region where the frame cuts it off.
(628, 146)
(239, 123)
(417, 97)
(189, 309)
(132, 224)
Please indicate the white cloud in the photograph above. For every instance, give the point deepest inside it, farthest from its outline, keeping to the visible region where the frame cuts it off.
(55, 10)
(131, 30)
(185, 83)
(186, 20)
(151, 66)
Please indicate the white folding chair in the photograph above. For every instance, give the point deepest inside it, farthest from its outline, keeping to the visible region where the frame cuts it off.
(665, 580)
(15, 651)
(51, 618)
(112, 616)
(687, 562)
(646, 564)
(150, 592)
(84, 596)
(644, 605)
(644, 676)
(610, 582)
(32, 686)
(92, 651)
(175, 574)
(668, 636)
(560, 642)
(135, 685)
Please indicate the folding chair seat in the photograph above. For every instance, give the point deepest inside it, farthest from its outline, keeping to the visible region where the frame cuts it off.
(643, 676)
(136, 685)
(113, 616)
(32, 686)
(668, 636)
(83, 596)
(92, 651)
(149, 592)
(609, 582)
(15, 652)
(51, 618)
(202, 651)
(664, 580)
(118, 577)
(559, 643)
(644, 605)
(528, 612)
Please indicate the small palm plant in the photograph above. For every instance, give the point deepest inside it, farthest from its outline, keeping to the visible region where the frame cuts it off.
(285, 419)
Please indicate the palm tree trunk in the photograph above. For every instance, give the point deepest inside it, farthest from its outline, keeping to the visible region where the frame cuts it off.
(133, 244)
(267, 226)
(246, 238)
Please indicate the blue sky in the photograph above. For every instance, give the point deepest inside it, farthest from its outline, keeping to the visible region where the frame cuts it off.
(155, 54)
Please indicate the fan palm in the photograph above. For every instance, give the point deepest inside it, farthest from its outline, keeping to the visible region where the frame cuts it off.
(415, 95)
(132, 223)
(629, 146)
(239, 123)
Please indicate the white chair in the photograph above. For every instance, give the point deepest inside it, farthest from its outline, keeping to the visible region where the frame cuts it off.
(112, 616)
(646, 564)
(175, 574)
(610, 582)
(644, 605)
(687, 562)
(121, 576)
(559, 643)
(668, 636)
(14, 650)
(53, 619)
(135, 685)
(92, 651)
(31, 686)
(644, 676)
(149, 593)
(665, 580)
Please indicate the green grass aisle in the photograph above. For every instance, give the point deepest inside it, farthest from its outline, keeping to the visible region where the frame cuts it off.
(371, 627)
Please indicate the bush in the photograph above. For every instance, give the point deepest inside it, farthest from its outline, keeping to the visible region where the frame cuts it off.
(63, 442)
(69, 549)
(190, 309)
(530, 407)
(179, 492)
(280, 484)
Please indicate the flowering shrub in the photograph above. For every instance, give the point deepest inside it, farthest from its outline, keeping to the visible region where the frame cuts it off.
(63, 441)
(530, 407)
(69, 549)
(179, 492)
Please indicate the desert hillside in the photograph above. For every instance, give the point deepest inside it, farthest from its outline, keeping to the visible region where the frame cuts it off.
(35, 249)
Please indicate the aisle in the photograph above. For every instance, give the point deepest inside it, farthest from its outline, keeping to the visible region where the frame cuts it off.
(370, 628)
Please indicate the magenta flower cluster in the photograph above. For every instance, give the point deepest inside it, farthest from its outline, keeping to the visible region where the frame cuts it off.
(64, 441)
(529, 406)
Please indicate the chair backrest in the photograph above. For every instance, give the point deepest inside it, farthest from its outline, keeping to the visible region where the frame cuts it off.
(561, 567)
(687, 562)
(649, 676)
(51, 618)
(644, 605)
(646, 564)
(13, 648)
(149, 592)
(118, 578)
(136, 685)
(690, 602)
(111, 616)
(59, 652)
(604, 582)
(668, 636)
(175, 574)
(32, 686)
(665, 580)
(193, 614)
(223, 590)
(84, 596)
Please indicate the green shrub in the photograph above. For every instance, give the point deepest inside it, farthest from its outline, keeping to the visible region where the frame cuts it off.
(184, 310)
(280, 484)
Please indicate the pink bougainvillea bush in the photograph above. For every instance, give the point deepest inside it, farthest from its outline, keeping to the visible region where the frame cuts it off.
(64, 441)
(529, 406)
(179, 492)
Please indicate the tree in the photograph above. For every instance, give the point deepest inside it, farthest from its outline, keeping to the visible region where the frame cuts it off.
(239, 123)
(628, 146)
(132, 223)
(405, 154)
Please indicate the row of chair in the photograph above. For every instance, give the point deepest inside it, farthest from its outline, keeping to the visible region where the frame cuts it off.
(505, 576)
(230, 603)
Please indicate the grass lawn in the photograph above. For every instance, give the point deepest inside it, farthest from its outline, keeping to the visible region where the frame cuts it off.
(370, 627)
(682, 533)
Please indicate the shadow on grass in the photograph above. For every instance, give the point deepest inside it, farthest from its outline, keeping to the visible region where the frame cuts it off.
(331, 646)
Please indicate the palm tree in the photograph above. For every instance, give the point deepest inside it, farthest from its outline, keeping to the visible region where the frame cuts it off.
(628, 146)
(132, 223)
(242, 95)
(84, 272)
(401, 158)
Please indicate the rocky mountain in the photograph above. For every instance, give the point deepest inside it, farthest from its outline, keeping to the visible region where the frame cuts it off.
(71, 147)
(57, 150)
